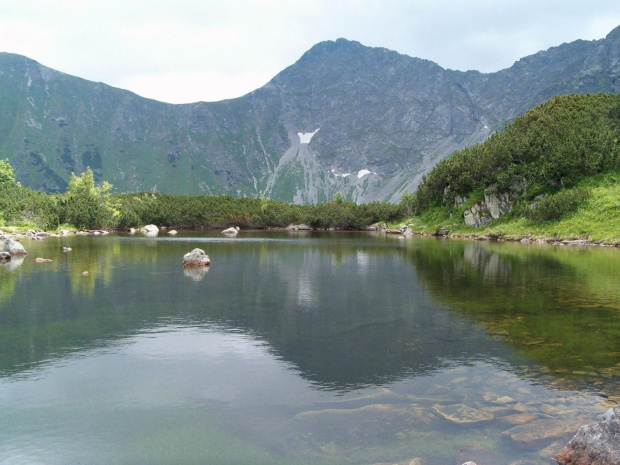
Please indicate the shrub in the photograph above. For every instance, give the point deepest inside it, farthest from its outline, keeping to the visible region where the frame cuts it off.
(554, 207)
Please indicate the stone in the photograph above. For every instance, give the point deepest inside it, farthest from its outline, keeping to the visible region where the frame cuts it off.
(518, 418)
(172, 232)
(67, 249)
(498, 204)
(461, 414)
(536, 433)
(150, 229)
(597, 444)
(459, 200)
(477, 216)
(495, 399)
(5, 257)
(42, 260)
(298, 227)
(14, 248)
(85, 273)
(196, 257)
(232, 231)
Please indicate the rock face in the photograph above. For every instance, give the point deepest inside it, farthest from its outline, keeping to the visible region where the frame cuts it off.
(366, 122)
(14, 248)
(477, 216)
(597, 444)
(196, 257)
(495, 204)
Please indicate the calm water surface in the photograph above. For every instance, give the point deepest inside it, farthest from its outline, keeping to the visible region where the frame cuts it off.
(313, 348)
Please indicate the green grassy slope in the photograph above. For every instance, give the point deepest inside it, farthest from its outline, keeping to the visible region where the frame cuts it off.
(560, 164)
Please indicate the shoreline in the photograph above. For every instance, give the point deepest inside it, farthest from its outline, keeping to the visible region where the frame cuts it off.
(406, 232)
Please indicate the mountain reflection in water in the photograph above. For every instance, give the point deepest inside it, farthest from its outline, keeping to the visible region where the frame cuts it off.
(317, 348)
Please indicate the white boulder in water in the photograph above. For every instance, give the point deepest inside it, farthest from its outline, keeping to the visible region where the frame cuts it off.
(196, 257)
(14, 248)
(232, 231)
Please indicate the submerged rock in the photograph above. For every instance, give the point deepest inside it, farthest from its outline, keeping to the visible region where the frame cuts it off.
(597, 444)
(5, 257)
(14, 248)
(536, 433)
(42, 260)
(196, 257)
(462, 414)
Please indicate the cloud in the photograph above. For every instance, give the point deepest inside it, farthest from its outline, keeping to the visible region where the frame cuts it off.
(225, 49)
(184, 87)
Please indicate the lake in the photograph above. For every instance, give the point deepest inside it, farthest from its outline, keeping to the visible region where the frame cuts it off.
(304, 348)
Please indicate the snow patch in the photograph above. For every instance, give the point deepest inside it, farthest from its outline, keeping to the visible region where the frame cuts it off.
(306, 137)
(362, 173)
(342, 175)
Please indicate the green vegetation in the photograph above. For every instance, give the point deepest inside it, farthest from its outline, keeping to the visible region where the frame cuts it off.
(559, 163)
(6, 172)
(86, 205)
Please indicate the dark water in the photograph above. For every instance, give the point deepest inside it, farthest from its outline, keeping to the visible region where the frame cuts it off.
(327, 348)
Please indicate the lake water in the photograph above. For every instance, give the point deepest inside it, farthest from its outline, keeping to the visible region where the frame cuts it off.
(304, 348)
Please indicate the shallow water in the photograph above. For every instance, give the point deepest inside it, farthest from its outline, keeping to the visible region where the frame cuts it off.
(304, 348)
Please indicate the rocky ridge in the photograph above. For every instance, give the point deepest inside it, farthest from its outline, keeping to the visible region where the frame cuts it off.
(367, 122)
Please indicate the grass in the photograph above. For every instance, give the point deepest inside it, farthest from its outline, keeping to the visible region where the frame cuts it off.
(596, 220)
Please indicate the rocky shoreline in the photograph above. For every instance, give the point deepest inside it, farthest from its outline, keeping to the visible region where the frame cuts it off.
(407, 231)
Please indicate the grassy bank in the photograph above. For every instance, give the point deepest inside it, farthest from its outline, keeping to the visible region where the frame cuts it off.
(597, 219)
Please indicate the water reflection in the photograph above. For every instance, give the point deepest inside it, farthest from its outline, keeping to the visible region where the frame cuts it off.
(196, 273)
(558, 307)
(335, 348)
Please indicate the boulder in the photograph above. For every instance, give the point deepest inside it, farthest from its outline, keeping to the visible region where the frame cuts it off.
(149, 229)
(5, 257)
(14, 248)
(196, 257)
(67, 249)
(42, 260)
(597, 444)
(172, 232)
(232, 231)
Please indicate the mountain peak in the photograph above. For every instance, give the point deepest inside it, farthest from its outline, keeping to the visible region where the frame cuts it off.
(614, 34)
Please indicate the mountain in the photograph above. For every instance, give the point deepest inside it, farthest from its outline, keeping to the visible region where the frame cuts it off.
(367, 122)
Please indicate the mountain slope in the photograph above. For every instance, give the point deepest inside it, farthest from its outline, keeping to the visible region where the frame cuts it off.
(380, 120)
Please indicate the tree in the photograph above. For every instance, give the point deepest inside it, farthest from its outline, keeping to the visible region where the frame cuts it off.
(88, 206)
(6, 172)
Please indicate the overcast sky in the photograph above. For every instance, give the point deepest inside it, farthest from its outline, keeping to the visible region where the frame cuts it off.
(182, 51)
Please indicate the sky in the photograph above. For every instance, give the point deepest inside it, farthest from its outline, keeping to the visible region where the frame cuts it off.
(182, 51)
